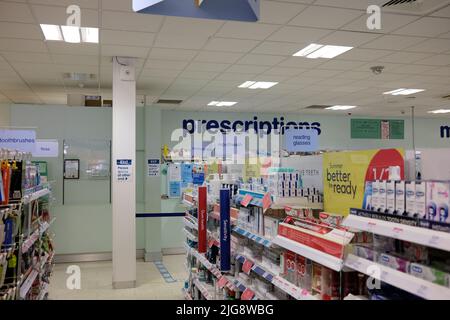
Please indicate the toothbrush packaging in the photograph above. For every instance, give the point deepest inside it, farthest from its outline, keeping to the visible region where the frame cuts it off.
(374, 202)
(382, 196)
(390, 196)
(400, 197)
(410, 198)
(437, 201)
(420, 200)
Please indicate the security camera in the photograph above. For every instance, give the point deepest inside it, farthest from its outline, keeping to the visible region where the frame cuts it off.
(402, 112)
(377, 69)
(349, 113)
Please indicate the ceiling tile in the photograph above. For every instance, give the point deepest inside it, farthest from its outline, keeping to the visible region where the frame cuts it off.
(84, 4)
(246, 30)
(299, 62)
(261, 59)
(240, 77)
(71, 59)
(131, 21)
(298, 35)
(279, 12)
(57, 15)
(410, 69)
(340, 65)
(27, 57)
(282, 71)
(241, 68)
(436, 60)
(188, 27)
(166, 64)
(230, 45)
(57, 47)
(318, 73)
(20, 30)
(159, 72)
(354, 75)
(389, 22)
(393, 42)
(363, 54)
(125, 51)
(278, 48)
(22, 45)
(126, 38)
(432, 46)
(426, 27)
(404, 57)
(180, 41)
(216, 56)
(348, 38)
(122, 5)
(15, 12)
(205, 66)
(350, 4)
(201, 75)
(325, 17)
(172, 54)
(444, 12)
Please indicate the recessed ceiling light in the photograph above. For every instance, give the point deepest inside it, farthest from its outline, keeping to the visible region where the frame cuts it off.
(222, 103)
(71, 34)
(89, 35)
(338, 108)
(440, 111)
(403, 92)
(314, 51)
(52, 32)
(258, 85)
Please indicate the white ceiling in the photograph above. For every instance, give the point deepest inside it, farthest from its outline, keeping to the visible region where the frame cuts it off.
(203, 60)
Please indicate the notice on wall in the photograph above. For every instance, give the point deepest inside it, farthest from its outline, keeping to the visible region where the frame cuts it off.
(301, 140)
(377, 129)
(46, 148)
(20, 140)
(153, 167)
(345, 175)
(174, 189)
(124, 169)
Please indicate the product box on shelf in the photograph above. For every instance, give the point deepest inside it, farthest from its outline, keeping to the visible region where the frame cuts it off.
(399, 197)
(394, 262)
(438, 201)
(330, 284)
(304, 272)
(410, 198)
(382, 196)
(367, 202)
(375, 195)
(390, 196)
(323, 238)
(420, 206)
(299, 212)
(365, 252)
(290, 267)
(270, 227)
(430, 274)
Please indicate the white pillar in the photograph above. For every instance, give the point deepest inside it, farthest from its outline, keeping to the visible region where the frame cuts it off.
(123, 186)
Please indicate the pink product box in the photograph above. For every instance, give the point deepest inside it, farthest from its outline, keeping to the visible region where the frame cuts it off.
(393, 262)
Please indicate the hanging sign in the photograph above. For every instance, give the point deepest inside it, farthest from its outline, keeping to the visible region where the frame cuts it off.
(20, 140)
(301, 140)
(124, 170)
(46, 148)
(153, 167)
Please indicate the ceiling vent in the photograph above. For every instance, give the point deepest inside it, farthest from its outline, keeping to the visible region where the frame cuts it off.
(318, 107)
(75, 76)
(168, 101)
(419, 7)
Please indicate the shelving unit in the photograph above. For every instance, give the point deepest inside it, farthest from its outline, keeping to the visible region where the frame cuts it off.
(423, 236)
(404, 281)
(257, 238)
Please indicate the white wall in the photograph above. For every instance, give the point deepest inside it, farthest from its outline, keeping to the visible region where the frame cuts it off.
(5, 115)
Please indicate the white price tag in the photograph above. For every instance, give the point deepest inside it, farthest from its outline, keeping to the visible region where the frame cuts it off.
(434, 240)
(397, 232)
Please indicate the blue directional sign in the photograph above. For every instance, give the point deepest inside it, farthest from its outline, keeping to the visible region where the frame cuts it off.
(238, 10)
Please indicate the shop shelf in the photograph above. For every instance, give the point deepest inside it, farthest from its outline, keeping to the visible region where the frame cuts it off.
(257, 238)
(26, 285)
(36, 195)
(426, 237)
(190, 224)
(206, 290)
(189, 235)
(318, 256)
(401, 280)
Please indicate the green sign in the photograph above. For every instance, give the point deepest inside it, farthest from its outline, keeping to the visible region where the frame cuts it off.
(371, 129)
(365, 129)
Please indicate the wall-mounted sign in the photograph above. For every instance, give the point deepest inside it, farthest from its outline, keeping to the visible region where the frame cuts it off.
(124, 170)
(153, 167)
(46, 148)
(301, 140)
(20, 140)
(377, 129)
(71, 168)
(239, 10)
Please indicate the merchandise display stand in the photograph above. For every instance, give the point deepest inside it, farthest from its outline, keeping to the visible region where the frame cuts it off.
(27, 248)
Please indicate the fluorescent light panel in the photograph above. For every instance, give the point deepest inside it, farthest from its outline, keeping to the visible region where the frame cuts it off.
(403, 92)
(52, 32)
(257, 85)
(338, 108)
(222, 103)
(440, 111)
(314, 51)
(89, 35)
(71, 34)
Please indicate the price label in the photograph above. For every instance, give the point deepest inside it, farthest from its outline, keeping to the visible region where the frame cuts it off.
(434, 240)
(247, 294)
(370, 226)
(247, 266)
(246, 200)
(396, 232)
(222, 282)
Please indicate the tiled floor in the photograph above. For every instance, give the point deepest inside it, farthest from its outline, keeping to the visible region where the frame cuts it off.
(96, 281)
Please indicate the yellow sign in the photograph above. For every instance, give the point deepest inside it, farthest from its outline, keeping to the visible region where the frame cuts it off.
(345, 175)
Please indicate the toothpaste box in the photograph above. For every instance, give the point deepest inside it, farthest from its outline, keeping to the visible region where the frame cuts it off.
(382, 196)
(390, 196)
(367, 202)
(374, 200)
(420, 200)
(430, 274)
(393, 262)
(400, 197)
(410, 197)
(438, 201)
(365, 252)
